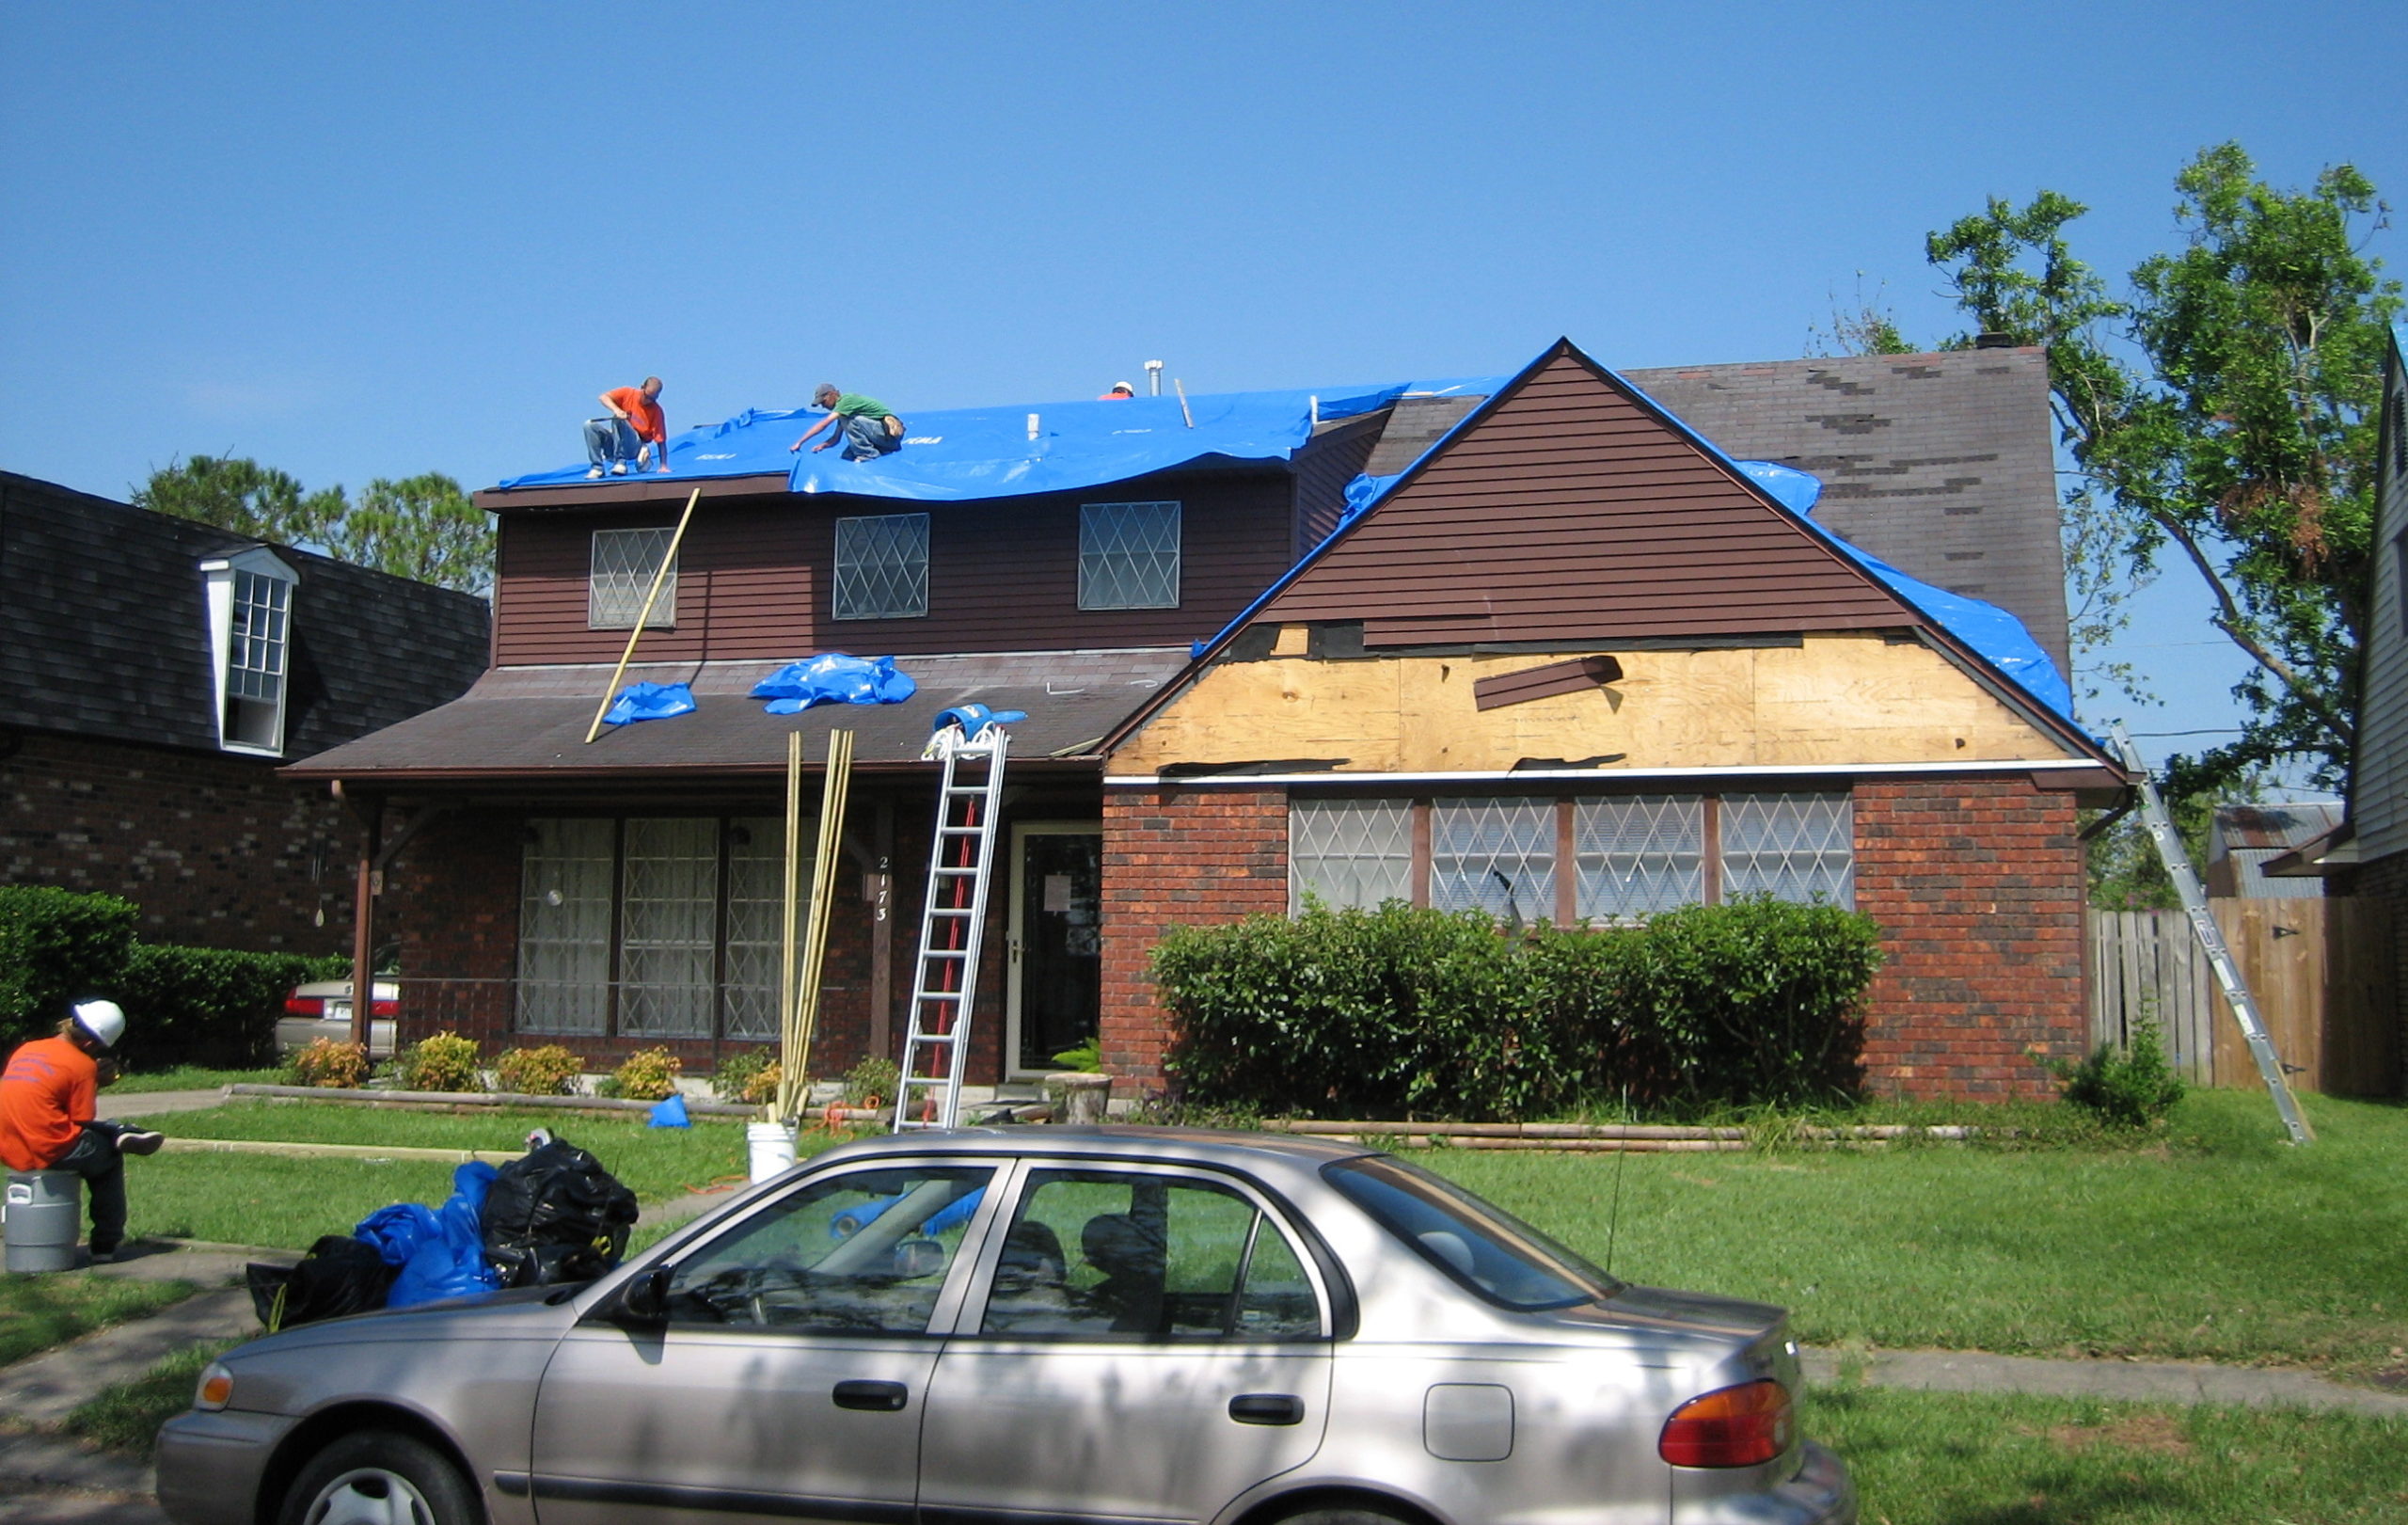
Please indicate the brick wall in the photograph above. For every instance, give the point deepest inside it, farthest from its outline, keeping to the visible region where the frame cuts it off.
(1978, 886)
(1178, 857)
(216, 850)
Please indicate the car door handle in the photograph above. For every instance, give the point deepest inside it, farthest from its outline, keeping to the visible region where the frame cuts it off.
(1267, 1409)
(877, 1397)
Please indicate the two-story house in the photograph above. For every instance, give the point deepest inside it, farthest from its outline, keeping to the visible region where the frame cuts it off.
(1529, 644)
(161, 672)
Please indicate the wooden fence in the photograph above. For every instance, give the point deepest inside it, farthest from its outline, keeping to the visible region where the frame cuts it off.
(2321, 971)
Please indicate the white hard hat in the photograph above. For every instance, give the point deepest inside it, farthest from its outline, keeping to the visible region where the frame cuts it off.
(103, 1020)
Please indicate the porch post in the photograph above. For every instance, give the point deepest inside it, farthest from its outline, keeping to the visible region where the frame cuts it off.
(363, 924)
(881, 886)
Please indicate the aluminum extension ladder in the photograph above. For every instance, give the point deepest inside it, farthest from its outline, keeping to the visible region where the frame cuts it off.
(2210, 936)
(944, 981)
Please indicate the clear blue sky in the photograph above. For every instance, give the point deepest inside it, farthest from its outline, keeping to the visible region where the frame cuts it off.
(369, 240)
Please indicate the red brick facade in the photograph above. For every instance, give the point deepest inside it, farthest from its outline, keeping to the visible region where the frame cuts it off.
(1978, 883)
(216, 850)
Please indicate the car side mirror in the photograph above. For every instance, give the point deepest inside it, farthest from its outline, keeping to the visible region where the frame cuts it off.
(644, 1302)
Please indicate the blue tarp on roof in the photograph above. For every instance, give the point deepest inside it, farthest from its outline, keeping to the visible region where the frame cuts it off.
(988, 453)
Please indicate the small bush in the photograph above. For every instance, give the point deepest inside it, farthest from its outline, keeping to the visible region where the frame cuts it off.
(445, 1061)
(55, 947)
(547, 1070)
(215, 1008)
(873, 1082)
(648, 1074)
(751, 1078)
(327, 1063)
(1087, 1058)
(2131, 1086)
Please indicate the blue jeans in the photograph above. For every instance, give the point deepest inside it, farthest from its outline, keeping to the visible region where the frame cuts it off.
(609, 440)
(866, 438)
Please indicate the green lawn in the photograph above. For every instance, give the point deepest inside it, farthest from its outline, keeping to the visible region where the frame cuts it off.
(2219, 1243)
(187, 1077)
(1945, 1458)
(39, 1311)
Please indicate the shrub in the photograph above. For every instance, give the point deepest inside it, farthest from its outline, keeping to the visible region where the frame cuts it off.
(873, 1082)
(2131, 1086)
(547, 1070)
(55, 947)
(445, 1061)
(1417, 1013)
(648, 1074)
(1087, 1058)
(327, 1063)
(751, 1078)
(215, 1008)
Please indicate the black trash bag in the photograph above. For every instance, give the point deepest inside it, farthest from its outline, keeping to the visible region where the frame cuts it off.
(555, 1215)
(341, 1274)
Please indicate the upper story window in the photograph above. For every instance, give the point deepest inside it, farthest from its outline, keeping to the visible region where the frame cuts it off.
(624, 564)
(881, 567)
(250, 638)
(1129, 556)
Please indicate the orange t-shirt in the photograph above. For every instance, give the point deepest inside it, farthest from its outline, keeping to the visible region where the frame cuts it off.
(45, 1099)
(643, 414)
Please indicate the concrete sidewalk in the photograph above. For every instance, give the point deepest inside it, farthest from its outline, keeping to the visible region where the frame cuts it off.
(151, 1103)
(2154, 1382)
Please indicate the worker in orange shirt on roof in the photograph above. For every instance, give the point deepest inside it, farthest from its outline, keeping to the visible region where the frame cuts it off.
(634, 430)
(1121, 392)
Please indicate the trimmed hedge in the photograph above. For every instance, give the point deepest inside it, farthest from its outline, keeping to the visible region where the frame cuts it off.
(209, 1007)
(1400, 1013)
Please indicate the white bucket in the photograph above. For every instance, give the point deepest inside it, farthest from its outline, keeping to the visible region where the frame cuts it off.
(772, 1146)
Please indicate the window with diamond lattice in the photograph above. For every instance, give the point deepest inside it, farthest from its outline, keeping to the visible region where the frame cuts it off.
(755, 906)
(1497, 856)
(1639, 855)
(1350, 853)
(881, 567)
(564, 927)
(1793, 847)
(624, 562)
(1129, 556)
(668, 928)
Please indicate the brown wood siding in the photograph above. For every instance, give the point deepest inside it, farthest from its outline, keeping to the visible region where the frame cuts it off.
(1327, 463)
(1571, 512)
(754, 577)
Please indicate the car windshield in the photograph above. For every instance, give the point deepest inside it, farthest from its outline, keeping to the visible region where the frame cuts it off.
(1483, 1247)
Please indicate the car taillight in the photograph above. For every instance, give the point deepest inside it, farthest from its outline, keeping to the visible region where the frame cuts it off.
(304, 1006)
(386, 1009)
(1741, 1426)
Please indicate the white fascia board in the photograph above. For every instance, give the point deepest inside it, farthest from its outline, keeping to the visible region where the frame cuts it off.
(1603, 775)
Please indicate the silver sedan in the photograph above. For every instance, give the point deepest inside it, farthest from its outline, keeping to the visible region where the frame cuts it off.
(1004, 1327)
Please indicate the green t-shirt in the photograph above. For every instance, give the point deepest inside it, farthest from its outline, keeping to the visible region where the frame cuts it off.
(851, 404)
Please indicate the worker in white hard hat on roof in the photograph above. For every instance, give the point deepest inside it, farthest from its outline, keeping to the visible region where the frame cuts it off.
(46, 1115)
(1121, 392)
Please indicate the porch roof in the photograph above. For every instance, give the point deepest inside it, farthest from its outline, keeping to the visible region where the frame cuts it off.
(531, 722)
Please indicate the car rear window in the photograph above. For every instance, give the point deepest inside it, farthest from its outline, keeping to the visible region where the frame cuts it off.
(1480, 1245)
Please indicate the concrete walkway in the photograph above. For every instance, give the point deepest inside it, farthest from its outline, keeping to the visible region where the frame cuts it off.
(151, 1103)
(2155, 1382)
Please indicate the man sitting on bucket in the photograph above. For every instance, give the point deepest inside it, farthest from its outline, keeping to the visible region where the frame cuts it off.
(46, 1122)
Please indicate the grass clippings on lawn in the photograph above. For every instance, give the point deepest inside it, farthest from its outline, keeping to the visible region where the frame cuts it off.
(1948, 1458)
(2216, 1242)
(39, 1311)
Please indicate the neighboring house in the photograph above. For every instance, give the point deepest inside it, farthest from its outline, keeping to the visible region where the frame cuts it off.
(1564, 661)
(160, 672)
(2243, 839)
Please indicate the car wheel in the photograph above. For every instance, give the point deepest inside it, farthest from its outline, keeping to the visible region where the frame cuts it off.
(376, 1477)
(1345, 1515)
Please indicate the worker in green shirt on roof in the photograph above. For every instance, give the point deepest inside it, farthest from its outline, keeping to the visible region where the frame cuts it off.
(868, 427)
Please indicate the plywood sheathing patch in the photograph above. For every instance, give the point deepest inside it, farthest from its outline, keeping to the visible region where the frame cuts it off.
(1831, 700)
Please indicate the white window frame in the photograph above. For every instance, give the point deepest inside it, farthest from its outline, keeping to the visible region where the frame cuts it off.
(221, 575)
(846, 563)
(625, 601)
(1094, 564)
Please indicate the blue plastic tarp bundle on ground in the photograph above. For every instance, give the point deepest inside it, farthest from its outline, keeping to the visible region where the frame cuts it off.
(441, 1251)
(649, 701)
(835, 678)
(963, 454)
(1988, 629)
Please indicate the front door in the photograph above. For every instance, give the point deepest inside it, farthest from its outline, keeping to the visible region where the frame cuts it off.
(791, 1378)
(1056, 941)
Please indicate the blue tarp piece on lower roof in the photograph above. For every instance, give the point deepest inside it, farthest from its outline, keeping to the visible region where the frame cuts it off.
(973, 718)
(1988, 629)
(833, 678)
(649, 701)
(965, 453)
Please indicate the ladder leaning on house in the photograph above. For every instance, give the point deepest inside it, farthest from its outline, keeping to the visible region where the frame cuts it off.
(944, 981)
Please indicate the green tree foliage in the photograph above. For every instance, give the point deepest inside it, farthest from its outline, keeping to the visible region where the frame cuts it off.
(2226, 411)
(423, 526)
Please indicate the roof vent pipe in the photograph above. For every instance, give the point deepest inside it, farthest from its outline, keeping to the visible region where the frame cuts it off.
(1992, 338)
(1154, 377)
(1032, 426)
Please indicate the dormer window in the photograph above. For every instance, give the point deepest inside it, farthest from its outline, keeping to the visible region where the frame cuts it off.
(250, 639)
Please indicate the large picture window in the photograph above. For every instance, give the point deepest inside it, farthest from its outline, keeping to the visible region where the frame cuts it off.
(881, 567)
(1129, 556)
(650, 926)
(624, 562)
(1600, 858)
